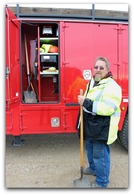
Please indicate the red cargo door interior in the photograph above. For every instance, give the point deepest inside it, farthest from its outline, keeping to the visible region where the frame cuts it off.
(12, 58)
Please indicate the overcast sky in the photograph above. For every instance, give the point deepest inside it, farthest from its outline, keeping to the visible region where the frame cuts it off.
(103, 6)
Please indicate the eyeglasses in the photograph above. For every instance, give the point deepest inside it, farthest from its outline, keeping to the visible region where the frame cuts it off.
(100, 67)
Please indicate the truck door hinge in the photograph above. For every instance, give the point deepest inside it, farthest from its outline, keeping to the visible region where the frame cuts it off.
(65, 122)
(64, 63)
(65, 26)
(7, 71)
(119, 28)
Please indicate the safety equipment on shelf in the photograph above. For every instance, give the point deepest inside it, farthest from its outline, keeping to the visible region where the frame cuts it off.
(45, 47)
(53, 49)
(47, 30)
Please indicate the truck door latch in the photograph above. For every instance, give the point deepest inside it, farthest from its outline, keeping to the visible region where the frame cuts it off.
(7, 71)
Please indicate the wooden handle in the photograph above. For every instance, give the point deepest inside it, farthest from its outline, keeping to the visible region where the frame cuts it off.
(81, 91)
(81, 134)
(26, 52)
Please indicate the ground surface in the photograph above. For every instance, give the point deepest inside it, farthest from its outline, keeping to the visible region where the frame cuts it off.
(52, 161)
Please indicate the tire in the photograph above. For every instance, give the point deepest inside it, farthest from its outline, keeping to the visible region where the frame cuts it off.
(123, 134)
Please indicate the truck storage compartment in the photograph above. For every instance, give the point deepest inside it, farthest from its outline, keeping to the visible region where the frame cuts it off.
(40, 62)
(44, 120)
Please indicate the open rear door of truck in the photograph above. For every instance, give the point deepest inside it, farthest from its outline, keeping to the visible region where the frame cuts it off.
(12, 58)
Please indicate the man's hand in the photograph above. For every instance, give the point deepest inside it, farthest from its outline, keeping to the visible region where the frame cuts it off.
(81, 99)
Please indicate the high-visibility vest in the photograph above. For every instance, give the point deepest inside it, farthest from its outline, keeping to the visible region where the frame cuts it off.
(106, 97)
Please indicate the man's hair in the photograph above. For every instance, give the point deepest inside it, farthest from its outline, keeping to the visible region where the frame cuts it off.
(103, 59)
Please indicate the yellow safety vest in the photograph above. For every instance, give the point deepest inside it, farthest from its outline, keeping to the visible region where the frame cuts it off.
(106, 97)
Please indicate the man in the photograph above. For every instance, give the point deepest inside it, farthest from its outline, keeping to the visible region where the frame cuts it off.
(101, 114)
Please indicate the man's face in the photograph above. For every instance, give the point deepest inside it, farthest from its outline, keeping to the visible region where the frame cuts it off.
(100, 70)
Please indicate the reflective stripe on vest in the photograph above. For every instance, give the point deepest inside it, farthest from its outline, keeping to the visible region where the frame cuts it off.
(111, 104)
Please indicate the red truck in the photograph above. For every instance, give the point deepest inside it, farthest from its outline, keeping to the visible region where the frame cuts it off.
(48, 60)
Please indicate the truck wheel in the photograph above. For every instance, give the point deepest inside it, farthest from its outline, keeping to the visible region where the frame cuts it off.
(123, 134)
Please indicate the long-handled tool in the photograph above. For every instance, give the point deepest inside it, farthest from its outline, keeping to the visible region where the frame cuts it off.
(83, 182)
(34, 63)
(29, 96)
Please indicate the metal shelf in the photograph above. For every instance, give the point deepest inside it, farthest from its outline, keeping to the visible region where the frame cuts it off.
(47, 38)
(50, 54)
(47, 72)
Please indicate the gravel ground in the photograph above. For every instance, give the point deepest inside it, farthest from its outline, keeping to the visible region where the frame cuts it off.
(52, 161)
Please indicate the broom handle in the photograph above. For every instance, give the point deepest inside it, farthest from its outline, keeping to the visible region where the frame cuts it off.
(81, 137)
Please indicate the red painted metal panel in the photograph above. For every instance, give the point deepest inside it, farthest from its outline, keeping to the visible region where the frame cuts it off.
(13, 57)
(83, 43)
(124, 59)
(70, 115)
(124, 66)
(77, 58)
(9, 125)
(39, 120)
(105, 43)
